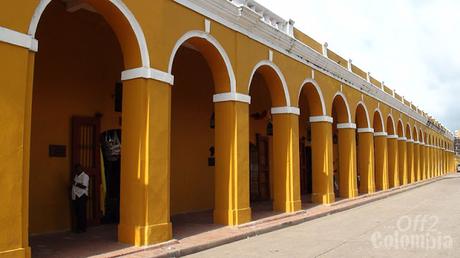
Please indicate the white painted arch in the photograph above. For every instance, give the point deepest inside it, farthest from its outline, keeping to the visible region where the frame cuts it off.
(278, 72)
(361, 103)
(402, 126)
(339, 93)
(213, 41)
(395, 129)
(138, 32)
(318, 90)
(381, 118)
(410, 132)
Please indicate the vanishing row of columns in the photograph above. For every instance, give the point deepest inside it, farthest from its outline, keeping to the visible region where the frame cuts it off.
(145, 191)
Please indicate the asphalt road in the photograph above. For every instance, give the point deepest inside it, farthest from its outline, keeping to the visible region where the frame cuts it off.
(423, 222)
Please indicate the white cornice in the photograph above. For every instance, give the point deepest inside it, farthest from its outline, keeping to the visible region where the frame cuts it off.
(240, 18)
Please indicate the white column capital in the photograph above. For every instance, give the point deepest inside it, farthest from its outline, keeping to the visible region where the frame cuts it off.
(316, 119)
(380, 134)
(392, 136)
(147, 73)
(365, 130)
(231, 96)
(285, 110)
(402, 139)
(346, 126)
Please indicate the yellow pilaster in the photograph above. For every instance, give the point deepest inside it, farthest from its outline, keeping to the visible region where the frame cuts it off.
(286, 175)
(347, 162)
(423, 161)
(393, 161)
(231, 199)
(381, 161)
(418, 175)
(144, 188)
(410, 161)
(321, 134)
(366, 161)
(16, 76)
(402, 161)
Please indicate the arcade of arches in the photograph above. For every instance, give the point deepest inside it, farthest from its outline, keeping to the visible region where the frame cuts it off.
(207, 119)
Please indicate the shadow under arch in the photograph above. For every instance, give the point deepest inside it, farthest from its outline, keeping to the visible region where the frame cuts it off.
(122, 21)
(215, 55)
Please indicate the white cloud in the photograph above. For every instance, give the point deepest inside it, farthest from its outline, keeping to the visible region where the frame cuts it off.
(412, 45)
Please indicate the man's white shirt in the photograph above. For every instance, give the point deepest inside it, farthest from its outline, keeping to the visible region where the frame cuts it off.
(83, 179)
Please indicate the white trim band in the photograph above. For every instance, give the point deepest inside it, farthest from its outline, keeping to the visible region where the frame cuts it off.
(410, 141)
(147, 73)
(285, 110)
(317, 119)
(392, 136)
(346, 126)
(18, 39)
(402, 139)
(365, 130)
(380, 134)
(231, 96)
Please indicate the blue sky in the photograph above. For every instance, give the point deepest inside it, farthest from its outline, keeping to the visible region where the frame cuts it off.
(412, 45)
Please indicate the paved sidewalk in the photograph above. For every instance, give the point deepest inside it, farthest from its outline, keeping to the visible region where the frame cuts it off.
(423, 222)
(197, 233)
(226, 235)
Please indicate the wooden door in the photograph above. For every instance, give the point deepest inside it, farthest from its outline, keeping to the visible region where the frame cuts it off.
(86, 152)
(305, 168)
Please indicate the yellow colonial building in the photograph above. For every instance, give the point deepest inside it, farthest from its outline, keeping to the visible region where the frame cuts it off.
(216, 104)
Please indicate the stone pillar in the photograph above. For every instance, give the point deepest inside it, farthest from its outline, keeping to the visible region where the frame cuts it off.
(231, 198)
(286, 175)
(381, 161)
(145, 178)
(321, 134)
(366, 160)
(393, 177)
(347, 160)
(402, 161)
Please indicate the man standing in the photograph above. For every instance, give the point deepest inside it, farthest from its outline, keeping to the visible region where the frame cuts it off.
(80, 196)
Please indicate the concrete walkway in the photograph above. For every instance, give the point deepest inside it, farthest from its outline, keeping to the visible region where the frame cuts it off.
(423, 222)
(195, 232)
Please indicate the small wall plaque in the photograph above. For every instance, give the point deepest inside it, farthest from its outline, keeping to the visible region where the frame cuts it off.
(58, 151)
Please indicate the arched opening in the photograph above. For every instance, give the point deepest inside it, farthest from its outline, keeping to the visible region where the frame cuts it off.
(380, 152)
(310, 104)
(267, 90)
(344, 160)
(365, 157)
(392, 153)
(200, 71)
(401, 154)
(410, 154)
(416, 155)
(76, 119)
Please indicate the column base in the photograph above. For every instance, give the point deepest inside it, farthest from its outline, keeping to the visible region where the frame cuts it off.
(144, 235)
(327, 198)
(291, 206)
(16, 253)
(232, 217)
